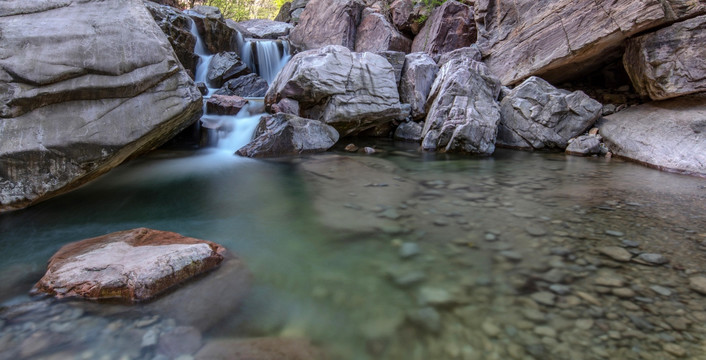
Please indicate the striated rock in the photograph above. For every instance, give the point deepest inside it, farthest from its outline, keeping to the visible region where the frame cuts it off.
(470, 52)
(418, 75)
(263, 29)
(536, 115)
(225, 66)
(409, 131)
(285, 134)
(259, 349)
(585, 145)
(225, 104)
(669, 62)
(327, 22)
(375, 33)
(284, 14)
(463, 114)
(216, 34)
(177, 26)
(251, 85)
(396, 59)
(449, 27)
(350, 91)
(406, 16)
(559, 40)
(668, 135)
(65, 117)
(131, 265)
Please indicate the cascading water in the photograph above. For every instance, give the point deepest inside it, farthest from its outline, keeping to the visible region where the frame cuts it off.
(266, 58)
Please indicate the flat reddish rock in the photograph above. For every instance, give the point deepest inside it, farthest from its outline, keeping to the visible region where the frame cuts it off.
(132, 265)
(225, 104)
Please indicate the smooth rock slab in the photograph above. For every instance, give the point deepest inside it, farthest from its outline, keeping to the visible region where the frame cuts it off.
(130, 265)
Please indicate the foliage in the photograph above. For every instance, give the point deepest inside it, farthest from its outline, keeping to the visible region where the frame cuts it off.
(240, 10)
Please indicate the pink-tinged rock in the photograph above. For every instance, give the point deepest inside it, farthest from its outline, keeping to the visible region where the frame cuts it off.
(375, 33)
(449, 27)
(225, 104)
(327, 22)
(669, 62)
(406, 15)
(260, 349)
(131, 265)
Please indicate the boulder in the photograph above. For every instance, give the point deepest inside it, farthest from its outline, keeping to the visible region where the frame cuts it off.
(669, 135)
(284, 14)
(561, 39)
(469, 52)
(418, 75)
(536, 115)
(449, 27)
(406, 16)
(259, 349)
(669, 62)
(375, 33)
(225, 66)
(172, 3)
(263, 29)
(225, 104)
(285, 134)
(251, 85)
(287, 106)
(585, 145)
(463, 114)
(130, 265)
(327, 22)
(296, 10)
(350, 91)
(216, 34)
(177, 26)
(396, 59)
(409, 131)
(67, 117)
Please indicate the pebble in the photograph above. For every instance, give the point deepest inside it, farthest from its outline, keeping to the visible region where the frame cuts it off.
(427, 318)
(408, 250)
(652, 259)
(536, 230)
(584, 324)
(544, 298)
(609, 281)
(698, 284)
(434, 296)
(369, 150)
(351, 148)
(440, 222)
(588, 298)
(490, 329)
(614, 233)
(630, 243)
(674, 349)
(661, 290)
(149, 338)
(490, 237)
(615, 253)
(545, 331)
(512, 255)
(534, 315)
(624, 293)
(560, 289)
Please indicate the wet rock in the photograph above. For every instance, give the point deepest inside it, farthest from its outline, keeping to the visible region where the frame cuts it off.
(615, 233)
(536, 230)
(560, 289)
(177, 27)
(284, 134)
(407, 278)
(624, 293)
(408, 250)
(674, 349)
(216, 34)
(585, 145)
(449, 27)
(427, 318)
(698, 284)
(263, 28)
(536, 115)
(251, 85)
(369, 151)
(652, 259)
(225, 66)
(376, 33)
(130, 265)
(409, 131)
(668, 135)
(434, 296)
(615, 253)
(225, 105)
(544, 298)
(490, 329)
(668, 63)
(418, 75)
(463, 115)
(545, 331)
(259, 349)
(203, 89)
(327, 22)
(181, 340)
(661, 290)
(351, 148)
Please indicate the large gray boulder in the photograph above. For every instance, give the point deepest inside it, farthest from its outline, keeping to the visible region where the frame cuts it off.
(668, 135)
(350, 91)
(225, 66)
(376, 33)
(80, 92)
(418, 75)
(177, 26)
(327, 22)
(560, 39)
(285, 134)
(463, 112)
(263, 28)
(669, 62)
(536, 115)
(449, 27)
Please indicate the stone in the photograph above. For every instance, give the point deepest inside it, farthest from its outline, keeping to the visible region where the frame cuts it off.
(225, 105)
(251, 85)
(449, 27)
(130, 265)
(376, 33)
(409, 131)
(177, 27)
(462, 113)
(674, 349)
(66, 118)
(661, 290)
(545, 331)
(585, 145)
(560, 40)
(698, 284)
(668, 135)
(284, 134)
(287, 106)
(284, 14)
(615, 233)
(490, 329)
(225, 66)
(469, 52)
(408, 250)
(216, 34)
(260, 349)
(427, 318)
(327, 22)
(351, 148)
(262, 28)
(350, 91)
(544, 298)
(418, 75)
(181, 340)
(536, 230)
(668, 62)
(652, 259)
(434, 296)
(560, 289)
(615, 253)
(624, 293)
(406, 16)
(536, 115)
(396, 59)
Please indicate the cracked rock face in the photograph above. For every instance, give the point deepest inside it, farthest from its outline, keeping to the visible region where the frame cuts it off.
(80, 92)
(376, 33)
(669, 62)
(449, 27)
(130, 265)
(536, 115)
(418, 75)
(327, 22)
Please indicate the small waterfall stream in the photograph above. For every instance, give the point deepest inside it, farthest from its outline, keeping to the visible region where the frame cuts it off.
(264, 57)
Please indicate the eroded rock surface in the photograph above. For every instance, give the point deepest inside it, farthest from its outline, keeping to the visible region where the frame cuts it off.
(376, 33)
(225, 66)
(327, 22)
(177, 26)
(449, 27)
(418, 75)
(251, 85)
(216, 34)
(225, 104)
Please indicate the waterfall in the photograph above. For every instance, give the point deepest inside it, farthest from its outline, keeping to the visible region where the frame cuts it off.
(266, 58)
